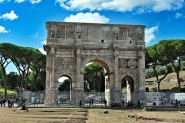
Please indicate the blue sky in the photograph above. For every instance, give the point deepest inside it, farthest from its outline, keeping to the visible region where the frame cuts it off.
(22, 22)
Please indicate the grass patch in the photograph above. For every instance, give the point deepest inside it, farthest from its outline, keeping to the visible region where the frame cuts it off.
(169, 77)
(9, 92)
(58, 115)
(165, 85)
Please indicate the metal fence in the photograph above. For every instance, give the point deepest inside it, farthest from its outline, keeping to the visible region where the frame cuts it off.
(95, 99)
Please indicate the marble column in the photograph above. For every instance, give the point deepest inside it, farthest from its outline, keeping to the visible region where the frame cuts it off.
(78, 67)
(117, 86)
(52, 89)
(141, 70)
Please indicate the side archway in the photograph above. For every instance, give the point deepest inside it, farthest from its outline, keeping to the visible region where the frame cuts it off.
(128, 81)
(64, 89)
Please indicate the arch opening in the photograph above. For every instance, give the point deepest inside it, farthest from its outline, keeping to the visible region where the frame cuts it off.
(127, 87)
(94, 77)
(64, 89)
(96, 82)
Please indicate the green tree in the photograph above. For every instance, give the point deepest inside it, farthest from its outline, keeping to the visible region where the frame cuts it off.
(155, 58)
(12, 79)
(65, 85)
(173, 50)
(94, 75)
(123, 83)
(5, 52)
(38, 67)
(22, 59)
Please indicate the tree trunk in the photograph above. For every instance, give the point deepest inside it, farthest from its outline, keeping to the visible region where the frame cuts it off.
(158, 85)
(177, 70)
(26, 82)
(178, 81)
(5, 85)
(35, 83)
(22, 81)
(5, 80)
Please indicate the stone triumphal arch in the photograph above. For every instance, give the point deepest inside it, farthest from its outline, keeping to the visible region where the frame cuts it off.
(119, 49)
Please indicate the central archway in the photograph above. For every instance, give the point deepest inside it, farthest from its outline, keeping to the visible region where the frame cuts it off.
(105, 94)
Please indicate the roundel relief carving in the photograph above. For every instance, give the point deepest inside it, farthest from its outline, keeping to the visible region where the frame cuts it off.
(60, 62)
(132, 63)
(122, 63)
(72, 62)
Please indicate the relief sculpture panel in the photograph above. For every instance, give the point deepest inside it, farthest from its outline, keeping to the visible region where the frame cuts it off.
(66, 64)
(122, 33)
(70, 31)
(61, 31)
(132, 33)
(90, 32)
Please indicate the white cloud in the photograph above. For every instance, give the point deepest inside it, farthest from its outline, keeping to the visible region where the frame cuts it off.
(87, 17)
(121, 5)
(10, 16)
(19, 1)
(149, 34)
(161, 5)
(3, 30)
(2, 1)
(35, 1)
(179, 15)
(31, 1)
(35, 35)
(42, 51)
(44, 42)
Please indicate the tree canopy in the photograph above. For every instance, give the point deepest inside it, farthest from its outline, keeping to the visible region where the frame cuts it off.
(25, 59)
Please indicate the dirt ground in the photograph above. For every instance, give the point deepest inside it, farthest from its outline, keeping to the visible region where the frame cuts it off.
(80, 115)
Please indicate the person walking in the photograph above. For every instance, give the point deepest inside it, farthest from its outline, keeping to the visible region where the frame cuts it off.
(80, 105)
(3, 101)
(105, 102)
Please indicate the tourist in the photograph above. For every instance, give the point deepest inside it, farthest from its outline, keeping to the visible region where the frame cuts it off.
(80, 103)
(58, 102)
(3, 101)
(9, 103)
(92, 101)
(138, 104)
(123, 103)
(35, 101)
(105, 102)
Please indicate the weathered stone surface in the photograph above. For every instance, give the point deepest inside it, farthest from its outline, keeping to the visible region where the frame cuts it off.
(120, 49)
